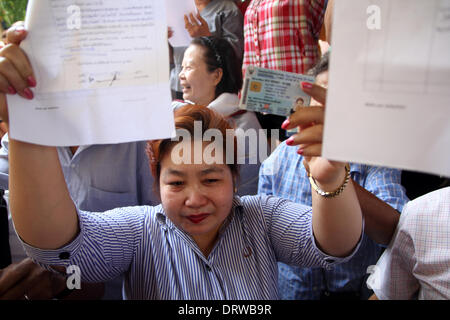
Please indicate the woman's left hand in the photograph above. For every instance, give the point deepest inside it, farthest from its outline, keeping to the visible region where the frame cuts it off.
(196, 26)
(310, 121)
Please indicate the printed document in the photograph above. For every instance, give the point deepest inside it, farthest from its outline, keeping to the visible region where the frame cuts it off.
(102, 72)
(176, 9)
(388, 101)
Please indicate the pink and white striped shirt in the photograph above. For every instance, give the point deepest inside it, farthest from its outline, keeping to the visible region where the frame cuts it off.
(416, 265)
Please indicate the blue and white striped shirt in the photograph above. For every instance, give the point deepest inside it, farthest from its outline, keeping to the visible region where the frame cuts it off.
(161, 261)
(283, 175)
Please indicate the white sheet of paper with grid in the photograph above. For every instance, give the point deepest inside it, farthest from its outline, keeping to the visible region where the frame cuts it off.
(388, 100)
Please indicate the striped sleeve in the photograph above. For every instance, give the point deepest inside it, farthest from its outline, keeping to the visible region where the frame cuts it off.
(291, 234)
(104, 247)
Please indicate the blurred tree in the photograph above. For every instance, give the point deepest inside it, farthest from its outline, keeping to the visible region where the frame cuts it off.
(12, 11)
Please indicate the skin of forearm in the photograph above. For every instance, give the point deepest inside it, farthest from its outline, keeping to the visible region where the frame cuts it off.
(337, 222)
(43, 212)
(380, 219)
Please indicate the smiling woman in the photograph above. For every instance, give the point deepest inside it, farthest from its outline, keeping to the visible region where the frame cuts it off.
(202, 242)
(198, 196)
(217, 66)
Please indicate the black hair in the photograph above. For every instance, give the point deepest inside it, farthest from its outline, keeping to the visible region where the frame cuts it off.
(321, 65)
(220, 54)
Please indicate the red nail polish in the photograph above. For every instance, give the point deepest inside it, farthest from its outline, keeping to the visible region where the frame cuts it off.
(28, 93)
(285, 124)
(307, 85)
(31, 81)
(300, 151)
(11, 90)
(290, 141)
(20, 30)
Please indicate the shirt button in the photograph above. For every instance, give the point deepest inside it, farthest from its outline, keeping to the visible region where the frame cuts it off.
(208, 268)
(64, 255)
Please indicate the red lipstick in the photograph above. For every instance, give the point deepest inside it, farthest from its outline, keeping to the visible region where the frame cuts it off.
(197, 218)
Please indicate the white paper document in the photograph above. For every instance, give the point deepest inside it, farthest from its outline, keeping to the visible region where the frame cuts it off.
(388, 101)
(102, 72)
(176, 9)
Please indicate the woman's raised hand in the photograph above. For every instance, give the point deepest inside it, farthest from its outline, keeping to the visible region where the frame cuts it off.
(310, 121)
(196, 26)
(16, 74)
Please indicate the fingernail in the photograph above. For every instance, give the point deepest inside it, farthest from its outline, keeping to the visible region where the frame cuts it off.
(20, 30)
(28, 93)
(31, 81)
(11, 90)
(300, 151)
(307, 85)
(285, 124)
(290, 141)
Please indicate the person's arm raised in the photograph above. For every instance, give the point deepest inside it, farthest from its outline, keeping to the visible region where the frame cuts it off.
(379, 217)
(337, 220)
(43, 212)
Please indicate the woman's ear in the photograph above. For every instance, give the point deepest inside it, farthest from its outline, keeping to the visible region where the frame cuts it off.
(218, 74)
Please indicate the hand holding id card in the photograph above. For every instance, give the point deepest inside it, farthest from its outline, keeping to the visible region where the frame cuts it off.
(273, 91)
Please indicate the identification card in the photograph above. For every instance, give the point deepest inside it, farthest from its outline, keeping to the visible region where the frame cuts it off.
(273, 91)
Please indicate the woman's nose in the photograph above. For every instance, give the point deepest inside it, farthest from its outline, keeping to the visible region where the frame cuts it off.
(196, 198)
(181, 75)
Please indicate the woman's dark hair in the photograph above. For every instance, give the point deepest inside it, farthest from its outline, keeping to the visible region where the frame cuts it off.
(220, 54)
(321, 65)
(185, 118)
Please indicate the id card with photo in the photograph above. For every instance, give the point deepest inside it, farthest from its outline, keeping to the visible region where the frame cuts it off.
(273, 91)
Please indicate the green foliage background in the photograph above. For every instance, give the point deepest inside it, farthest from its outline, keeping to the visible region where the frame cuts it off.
(12, 11)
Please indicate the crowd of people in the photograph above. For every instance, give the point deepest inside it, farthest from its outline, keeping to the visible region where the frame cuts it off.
(140, 225)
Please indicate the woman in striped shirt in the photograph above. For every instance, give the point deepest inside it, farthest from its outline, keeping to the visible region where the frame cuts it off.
(203, 241)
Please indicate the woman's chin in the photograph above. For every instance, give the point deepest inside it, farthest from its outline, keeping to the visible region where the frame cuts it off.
(186, 96)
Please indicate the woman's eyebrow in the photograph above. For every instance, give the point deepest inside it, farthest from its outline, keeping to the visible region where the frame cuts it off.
(210, 170)
(175, 172)
(201, 173)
